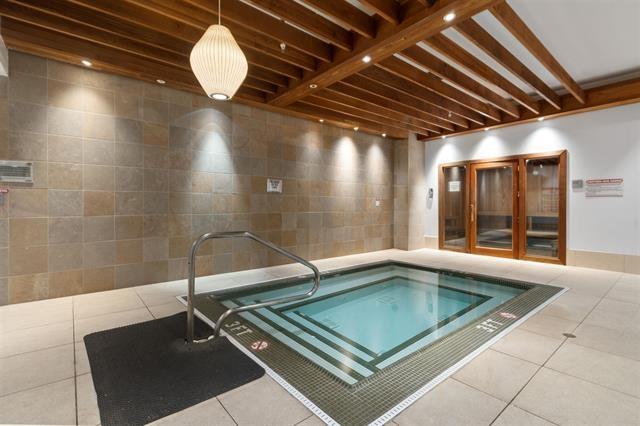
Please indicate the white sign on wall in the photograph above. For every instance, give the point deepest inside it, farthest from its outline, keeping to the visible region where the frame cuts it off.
(454, 186)
(605, 187)
(274, 185)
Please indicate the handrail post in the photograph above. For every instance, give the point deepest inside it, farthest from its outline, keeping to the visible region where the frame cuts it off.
(191, 289)
(192, 281)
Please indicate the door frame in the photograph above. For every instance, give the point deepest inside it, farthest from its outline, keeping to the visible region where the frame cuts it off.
(562, 207)
(473, 210)
(520, 252)
(441, 202)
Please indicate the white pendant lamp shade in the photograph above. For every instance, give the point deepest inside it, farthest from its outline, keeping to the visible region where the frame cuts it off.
(218, 63)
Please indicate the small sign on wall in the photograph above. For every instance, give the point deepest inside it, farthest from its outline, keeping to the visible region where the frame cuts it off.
(604, 187)
(274, 185)
(454, 186)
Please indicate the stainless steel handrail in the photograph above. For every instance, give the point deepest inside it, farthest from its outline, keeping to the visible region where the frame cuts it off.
(239, 234)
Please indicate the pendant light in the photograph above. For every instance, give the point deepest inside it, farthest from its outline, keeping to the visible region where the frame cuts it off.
(218, 62)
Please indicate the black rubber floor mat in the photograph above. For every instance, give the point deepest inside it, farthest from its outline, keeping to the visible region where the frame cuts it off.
(145, 371)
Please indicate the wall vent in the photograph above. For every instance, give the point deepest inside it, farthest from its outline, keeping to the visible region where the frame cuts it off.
(16, 171)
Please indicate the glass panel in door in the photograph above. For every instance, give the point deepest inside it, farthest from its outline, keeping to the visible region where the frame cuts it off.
(455, 196)
(542, 203)
(494, 206)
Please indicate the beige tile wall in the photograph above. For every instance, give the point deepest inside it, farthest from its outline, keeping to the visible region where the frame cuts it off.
(410, 195)
(127, 173)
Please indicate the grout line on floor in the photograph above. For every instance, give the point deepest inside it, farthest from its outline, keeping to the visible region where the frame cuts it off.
(592, 382)
(36, 387)
(226, 411)
(540, 367)
(543, 365)
(38, 350)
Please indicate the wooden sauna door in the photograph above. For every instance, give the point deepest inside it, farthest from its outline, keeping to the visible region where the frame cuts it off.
(493, 208)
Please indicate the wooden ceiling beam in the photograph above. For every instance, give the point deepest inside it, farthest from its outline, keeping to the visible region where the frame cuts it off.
(436, 85)
(109, 23)
(516, 26)
(384, 114)
(492, 47)
(389, 39)
(451, 111)
(81, 31)
(607, 96)
(387, 9)
(359, 114)
(192, 16)
(346, 15)
(268, 76)
(53, 22)
(263, 61)
(175, 43)
(35, 48)
(327, 114)
(27, 37)
(248, 93)
(445, 71)
(263, 86)
(254, 20)
(309, 20)
(388, 95)
(261, 44)
(58, 43)
(362, 99)
(457, 54)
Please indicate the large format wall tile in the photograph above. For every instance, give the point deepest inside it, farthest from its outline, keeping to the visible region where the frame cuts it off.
(128, 173)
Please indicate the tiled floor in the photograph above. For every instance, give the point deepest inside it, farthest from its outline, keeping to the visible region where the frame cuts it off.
(533, 376)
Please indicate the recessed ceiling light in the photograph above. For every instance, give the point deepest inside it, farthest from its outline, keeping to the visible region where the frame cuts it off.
(160, 81)
(540, 118)
(356, 128)
(444, 136)
(384, 135)
(313, 86)
(86, 63)
(486, 129)
(449, 17)
(366, 59)
(219, 96)
(321, 120)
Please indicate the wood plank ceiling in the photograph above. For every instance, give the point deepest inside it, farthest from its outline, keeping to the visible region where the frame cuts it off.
(306, 57)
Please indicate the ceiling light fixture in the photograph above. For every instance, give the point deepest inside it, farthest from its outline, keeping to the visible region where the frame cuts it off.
(321, 120)
(540, 118)
(86, 63)
(486, 129)
(313, 86)
(366, 59)
(160, 81)
(444, 136)
(384, 135)
(218, 62)
(449, 17)
(355, 129)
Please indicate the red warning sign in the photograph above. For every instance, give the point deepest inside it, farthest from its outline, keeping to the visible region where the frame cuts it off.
(259, 345)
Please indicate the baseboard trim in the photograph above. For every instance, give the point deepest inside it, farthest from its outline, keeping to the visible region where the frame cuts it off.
(629, 264)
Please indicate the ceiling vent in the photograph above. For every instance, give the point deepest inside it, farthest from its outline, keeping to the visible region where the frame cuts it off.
(16, 171)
